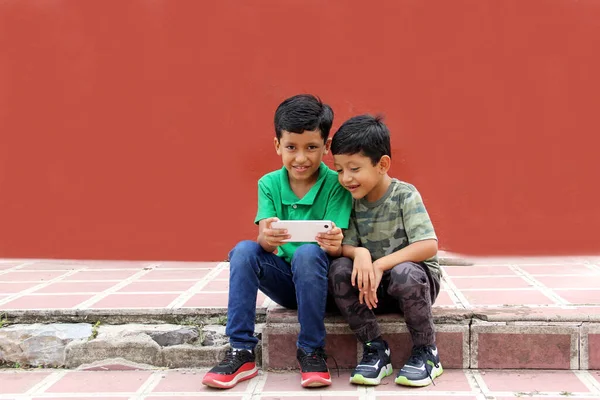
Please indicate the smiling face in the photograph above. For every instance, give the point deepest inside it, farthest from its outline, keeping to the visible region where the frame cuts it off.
(360, 177)
(301, 154)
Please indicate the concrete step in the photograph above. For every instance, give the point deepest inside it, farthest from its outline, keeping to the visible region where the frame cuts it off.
(499, 340)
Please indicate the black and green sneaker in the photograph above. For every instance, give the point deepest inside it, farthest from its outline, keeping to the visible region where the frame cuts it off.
(375, 364)
(422, 367)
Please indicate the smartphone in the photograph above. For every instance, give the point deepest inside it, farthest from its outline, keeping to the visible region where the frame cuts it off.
(303, 231)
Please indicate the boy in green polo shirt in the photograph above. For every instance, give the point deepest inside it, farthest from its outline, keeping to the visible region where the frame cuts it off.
(296, 277)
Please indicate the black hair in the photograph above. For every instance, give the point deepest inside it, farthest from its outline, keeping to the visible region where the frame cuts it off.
(303, 112)
(363, 134)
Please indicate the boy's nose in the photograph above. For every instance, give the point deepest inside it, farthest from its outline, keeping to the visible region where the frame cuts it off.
(300, 157)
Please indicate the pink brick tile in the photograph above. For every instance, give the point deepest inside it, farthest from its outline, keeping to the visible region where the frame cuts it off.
(98, 275)
(76, 287)
(192, 265)
(453, 380)
(498, 282)
(100, 382)
(444, 299)
(290, 382)
(524, 395)
(268, 397)
(5, 266)
(596, 376)
(571, 282)
(216, 300)
(152, 286)
(223, 274)
(19, 382)
(530, 381)
(524, 350)
(175, 274)
(120, 265)
(594, 350)
(46, 302)
(43, 266)
(472, 270)
(84, 398)
(217, 396)
(10, 288)
(491, 283)
(501, 297)
(580, 296)
(135, 301)
(216, 286)
(580, 269)
(189, 381)
(282, 351)
(30, 276)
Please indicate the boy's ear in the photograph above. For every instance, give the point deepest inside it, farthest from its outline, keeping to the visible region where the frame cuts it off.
(277, 145)
(327, 146)
(384, 164)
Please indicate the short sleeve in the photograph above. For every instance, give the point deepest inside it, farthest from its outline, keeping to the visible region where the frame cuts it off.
(266, 207)
(351, 234)
(339, 206)
(417, 223)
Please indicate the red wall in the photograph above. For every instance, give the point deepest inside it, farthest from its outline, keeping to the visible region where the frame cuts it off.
(138, 129)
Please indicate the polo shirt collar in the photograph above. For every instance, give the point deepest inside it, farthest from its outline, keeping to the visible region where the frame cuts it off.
(288, 197)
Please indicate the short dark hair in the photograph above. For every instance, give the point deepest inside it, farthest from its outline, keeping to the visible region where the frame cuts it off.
(303, 112)
(364, 134)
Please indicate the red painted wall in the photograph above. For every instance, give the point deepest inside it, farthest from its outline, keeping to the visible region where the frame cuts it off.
(138, 129)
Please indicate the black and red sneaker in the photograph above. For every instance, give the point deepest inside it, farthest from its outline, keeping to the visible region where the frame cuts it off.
(313, 368)
(238, 365)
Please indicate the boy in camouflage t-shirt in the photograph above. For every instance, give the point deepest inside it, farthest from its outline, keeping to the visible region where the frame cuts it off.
(389, 256)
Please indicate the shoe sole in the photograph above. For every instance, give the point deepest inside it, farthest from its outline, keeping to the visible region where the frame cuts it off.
(315, 381)
(242, 376)
(435, 372)
(359, 379)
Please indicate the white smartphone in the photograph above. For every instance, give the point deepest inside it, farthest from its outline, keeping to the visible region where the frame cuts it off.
(303, 231)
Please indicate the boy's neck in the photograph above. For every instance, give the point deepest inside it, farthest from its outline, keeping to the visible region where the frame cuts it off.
(300, 188)
(380, 189)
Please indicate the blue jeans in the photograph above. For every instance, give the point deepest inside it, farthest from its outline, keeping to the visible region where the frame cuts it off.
(301, 285)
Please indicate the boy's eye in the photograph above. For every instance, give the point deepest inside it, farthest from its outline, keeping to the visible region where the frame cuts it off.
(354, 169)
(312, 147)
(339, 171)
(290, 147)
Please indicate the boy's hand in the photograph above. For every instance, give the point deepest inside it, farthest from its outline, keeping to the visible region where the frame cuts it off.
(362, 273)
(274, 237)
(331, 241)
(370, 296)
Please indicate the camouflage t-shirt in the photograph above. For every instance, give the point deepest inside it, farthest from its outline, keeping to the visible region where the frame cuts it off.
(391, 223)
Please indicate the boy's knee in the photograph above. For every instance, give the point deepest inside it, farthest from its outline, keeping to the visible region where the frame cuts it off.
(340, 273)
(308, 254)
(407, 275)
(340, 268)
(245, 248)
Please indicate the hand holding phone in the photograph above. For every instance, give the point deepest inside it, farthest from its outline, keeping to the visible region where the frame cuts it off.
(303, 231)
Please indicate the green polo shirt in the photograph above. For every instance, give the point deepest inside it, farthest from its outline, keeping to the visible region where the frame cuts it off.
(326, 200)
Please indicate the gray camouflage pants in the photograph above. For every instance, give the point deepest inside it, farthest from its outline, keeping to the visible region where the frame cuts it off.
(408, 288)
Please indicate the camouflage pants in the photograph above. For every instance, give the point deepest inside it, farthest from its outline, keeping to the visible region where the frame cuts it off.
(408, 288)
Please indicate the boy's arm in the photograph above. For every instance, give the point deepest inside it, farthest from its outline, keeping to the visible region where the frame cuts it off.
(415, 252)
(269, 239)
(419, 231)
(338, 211)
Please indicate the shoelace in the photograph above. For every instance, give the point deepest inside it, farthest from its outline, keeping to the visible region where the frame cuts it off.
(420, 354)
(317, 357)
(230, 357)
(369, 355)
